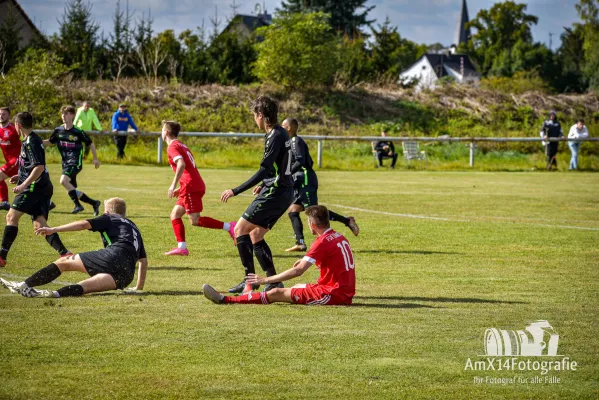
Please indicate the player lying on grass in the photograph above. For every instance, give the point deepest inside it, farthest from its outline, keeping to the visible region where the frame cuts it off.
(190, 192)
(110, 268)
(332, 255)
(33, 191)
(305, 188)
(70, 141)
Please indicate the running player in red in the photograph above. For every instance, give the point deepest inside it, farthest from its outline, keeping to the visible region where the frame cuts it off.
(11, 148)
(332, 255)
(190, 192)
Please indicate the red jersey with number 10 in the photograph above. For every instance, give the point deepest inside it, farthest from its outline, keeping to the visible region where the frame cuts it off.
(10, 142)
(333, 256)
(191, 181)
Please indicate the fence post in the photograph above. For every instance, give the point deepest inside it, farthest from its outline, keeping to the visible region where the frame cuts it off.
(159, 150)
(320, 154)
(472, 154)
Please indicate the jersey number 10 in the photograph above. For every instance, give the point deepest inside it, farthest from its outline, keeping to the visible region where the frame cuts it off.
(348, 256)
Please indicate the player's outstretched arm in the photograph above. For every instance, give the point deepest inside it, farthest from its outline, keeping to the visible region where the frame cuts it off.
(95, 161)
(298, 269)
(72, 227)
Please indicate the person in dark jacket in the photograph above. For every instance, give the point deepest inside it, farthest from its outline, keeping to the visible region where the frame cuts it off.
(551, 129)
(121, 121)
(385, 149)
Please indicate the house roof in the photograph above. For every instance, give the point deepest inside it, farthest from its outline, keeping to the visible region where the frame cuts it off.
(454, 61)
(252, 22)
(18, 7)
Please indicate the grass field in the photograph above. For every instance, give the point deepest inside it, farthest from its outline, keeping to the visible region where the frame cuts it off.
(441, 257)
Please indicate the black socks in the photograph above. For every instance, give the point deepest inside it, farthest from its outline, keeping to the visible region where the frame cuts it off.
(73, 196)
(71, 291)
(264, 256)
(333, 216)
(43, 276)
(10, 234)
(54, 241)
(84, 198)
(246, 253)
(298, 227)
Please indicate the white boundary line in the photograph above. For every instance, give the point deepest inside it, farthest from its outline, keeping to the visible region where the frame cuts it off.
(584, 228)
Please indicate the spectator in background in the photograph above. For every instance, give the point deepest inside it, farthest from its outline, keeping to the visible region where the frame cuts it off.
(121, 121)
(578, 130)
(385, 149)
(551, 129)
(86, 118)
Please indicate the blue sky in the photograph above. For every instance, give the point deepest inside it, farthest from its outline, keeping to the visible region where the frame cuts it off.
(423, 21)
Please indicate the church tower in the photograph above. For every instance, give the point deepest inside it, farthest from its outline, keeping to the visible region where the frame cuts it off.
(462, 34)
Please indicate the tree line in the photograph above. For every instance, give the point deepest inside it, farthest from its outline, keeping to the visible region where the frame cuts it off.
(309, 42)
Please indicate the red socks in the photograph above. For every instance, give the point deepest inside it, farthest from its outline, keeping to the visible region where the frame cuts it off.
(179, 229)
(211, 223)
(3, 191)
(250, 298)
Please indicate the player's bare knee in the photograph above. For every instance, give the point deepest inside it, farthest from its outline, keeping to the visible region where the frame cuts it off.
(256, 235)
(11, 218)
(195, 220)
(64, 180)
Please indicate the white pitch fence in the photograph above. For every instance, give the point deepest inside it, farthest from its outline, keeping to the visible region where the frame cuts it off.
(321, 139)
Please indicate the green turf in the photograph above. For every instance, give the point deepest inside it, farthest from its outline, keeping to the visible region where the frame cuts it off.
(511, 248)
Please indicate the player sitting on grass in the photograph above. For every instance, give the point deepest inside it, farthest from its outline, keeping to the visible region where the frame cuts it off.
(110, 268)
(190, 192)
(332, 255)
(33, 191)
(70, 141)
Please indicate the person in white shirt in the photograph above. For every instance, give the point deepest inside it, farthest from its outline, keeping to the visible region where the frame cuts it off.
(578, 130)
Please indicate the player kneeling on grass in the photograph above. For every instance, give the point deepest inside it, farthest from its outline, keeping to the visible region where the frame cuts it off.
(332, 255)
(110, 268)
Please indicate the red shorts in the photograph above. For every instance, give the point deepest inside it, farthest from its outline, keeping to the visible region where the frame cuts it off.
(192, 202)
(316, 295)
(10, 169)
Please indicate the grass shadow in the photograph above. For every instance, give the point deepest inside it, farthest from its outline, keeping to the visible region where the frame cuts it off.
(423, 252)
(440, 299)
(143, 294)
(391, 305)
(173, 268)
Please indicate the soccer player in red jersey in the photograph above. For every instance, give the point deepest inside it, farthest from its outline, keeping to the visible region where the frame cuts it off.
(11, 148)
(190, 192)
(332, 255)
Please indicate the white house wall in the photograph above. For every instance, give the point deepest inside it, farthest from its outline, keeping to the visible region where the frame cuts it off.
(421, 71)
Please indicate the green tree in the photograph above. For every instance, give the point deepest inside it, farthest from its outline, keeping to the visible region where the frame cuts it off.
(10, 39)
(347, 17)
(194, 58)
(499, 30)
(589, 13)
(34, 85)
(120, 41)
(391, 54)
(76, 42)
(298, 50)
(231, 59)
(571, 57)
(354, 62)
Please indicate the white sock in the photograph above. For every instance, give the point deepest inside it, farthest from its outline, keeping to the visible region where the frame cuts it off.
(226, 226)
(182, 245)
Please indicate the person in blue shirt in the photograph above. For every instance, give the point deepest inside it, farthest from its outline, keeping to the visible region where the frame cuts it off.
(121, 121)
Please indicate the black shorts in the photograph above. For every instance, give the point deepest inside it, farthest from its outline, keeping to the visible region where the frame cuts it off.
(115, 261)
(305, 196)
(269, 206)
(71, 172)
(35, 203)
